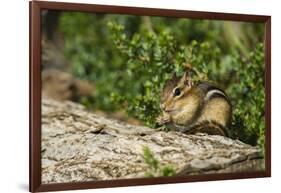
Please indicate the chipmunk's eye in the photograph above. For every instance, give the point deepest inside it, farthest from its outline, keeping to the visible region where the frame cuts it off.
(177, 92)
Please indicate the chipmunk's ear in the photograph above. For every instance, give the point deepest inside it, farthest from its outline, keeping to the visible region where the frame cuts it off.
(187, 79)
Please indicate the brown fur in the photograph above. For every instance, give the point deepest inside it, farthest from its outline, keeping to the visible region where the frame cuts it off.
(169, 86)
(210, 127)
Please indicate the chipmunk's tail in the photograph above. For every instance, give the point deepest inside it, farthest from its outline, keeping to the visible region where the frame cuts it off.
(209, 127)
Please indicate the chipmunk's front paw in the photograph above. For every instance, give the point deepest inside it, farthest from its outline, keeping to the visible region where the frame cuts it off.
(163, 119)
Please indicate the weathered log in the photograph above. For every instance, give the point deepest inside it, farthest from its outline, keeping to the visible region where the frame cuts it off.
(78, 145)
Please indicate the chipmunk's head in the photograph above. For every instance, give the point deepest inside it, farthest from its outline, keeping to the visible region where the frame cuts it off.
(174, 93)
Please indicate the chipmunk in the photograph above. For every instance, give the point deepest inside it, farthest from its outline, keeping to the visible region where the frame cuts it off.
(192, 108)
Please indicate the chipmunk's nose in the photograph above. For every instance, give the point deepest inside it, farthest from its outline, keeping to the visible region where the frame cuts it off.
(162, 107)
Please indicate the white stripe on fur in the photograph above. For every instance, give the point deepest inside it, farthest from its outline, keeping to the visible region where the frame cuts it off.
(211, 92)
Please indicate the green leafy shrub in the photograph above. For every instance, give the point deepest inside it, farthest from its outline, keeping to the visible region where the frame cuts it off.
(248, 95)
(149, 61)
(130, 58)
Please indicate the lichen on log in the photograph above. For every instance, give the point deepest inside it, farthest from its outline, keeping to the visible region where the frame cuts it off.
(78, 145)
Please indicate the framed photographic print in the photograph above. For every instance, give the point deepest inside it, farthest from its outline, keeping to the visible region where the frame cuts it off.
(123, 96)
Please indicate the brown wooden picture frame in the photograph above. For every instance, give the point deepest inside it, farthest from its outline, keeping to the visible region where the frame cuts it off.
(36, 7)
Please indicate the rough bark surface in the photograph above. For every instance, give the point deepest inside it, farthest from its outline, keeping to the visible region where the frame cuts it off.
(78, 145)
